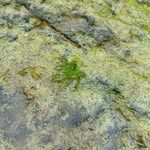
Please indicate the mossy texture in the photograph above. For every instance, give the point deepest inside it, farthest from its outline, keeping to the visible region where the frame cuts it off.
(67, 72)
(74, 74)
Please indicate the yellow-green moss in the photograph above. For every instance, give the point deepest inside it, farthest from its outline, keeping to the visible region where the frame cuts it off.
(68, 72)
(32, 71)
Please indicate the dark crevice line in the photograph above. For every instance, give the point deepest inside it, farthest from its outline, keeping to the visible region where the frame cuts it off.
(65, 36)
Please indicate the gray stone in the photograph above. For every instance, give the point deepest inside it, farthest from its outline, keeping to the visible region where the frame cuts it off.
(111, 105)
(13, 121)
(4, 2)
(27, 27)
(139, 110)
(143, 1)
(11, 37)
(101, 35)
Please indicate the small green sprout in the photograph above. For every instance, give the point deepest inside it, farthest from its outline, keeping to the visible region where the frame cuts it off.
(67, 73)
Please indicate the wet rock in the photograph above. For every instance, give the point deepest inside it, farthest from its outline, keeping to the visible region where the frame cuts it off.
(139, 110)
(81, 23)
(113, 126)
(11, 37)
(143, 1)
(12, 20)
(127, 53)
(85, 25)
(76, 118)
(43, 1)
(90, 19)
(71, 148)
(1, 95)
(136, 139)
(45, 139)
(99, 110)
(25, 3)
(134, 33)
(95, 115)
(101, 35)
(13, 122)
(101, 81)
(27, 27)
(4, 2)
(19, 135)
(26, 18)
(44, 14)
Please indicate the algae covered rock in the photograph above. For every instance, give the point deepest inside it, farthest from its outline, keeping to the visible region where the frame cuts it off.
(74, 75)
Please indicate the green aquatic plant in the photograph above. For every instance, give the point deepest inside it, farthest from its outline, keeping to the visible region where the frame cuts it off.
(68, 72)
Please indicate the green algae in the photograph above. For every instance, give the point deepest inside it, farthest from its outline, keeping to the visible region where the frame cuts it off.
(140, 137)
(71, 148)
(68, 72)
(5, 75)
(33, 71)
(119, 102)
(101, 63)
(43, 1)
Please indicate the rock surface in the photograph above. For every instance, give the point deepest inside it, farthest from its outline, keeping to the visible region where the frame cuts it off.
(74, 75)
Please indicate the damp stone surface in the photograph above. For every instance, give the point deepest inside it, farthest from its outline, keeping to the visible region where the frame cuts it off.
(74, 75)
